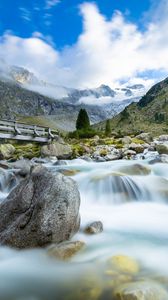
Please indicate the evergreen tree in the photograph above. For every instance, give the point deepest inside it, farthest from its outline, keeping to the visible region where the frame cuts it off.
(108, 128)
(82, 120)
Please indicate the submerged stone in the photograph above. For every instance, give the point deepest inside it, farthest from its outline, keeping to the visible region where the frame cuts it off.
(135, 169)
(124, 264)
(67, 172)
(140, 290)
(65, 250)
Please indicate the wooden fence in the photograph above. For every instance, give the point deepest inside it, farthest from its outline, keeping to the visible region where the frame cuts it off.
(20, 131)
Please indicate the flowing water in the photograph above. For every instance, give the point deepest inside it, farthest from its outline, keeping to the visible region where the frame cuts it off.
(130, 198)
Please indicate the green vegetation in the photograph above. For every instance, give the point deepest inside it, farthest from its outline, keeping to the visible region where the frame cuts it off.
(83, 133)
(83, 128)
(27, 150)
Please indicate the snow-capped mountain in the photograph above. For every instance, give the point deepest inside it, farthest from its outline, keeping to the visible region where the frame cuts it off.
(101, 103)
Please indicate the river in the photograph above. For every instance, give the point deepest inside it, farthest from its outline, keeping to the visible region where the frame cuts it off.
(130, 198)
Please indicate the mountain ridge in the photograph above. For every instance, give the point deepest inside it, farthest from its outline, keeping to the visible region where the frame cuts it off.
(23, 95)
(149, 114)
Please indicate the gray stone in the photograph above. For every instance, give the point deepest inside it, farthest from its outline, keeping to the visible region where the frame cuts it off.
(86, 158)
(110, 157)
(22, 166)
(94, 228)
(60, 150)
(145, 136)
(163, 158)
(99, 159)
(60, 163)
(126, 140)
(138, 148)
(42, 209)
(129, 153)
(39, 160)
(163, 138)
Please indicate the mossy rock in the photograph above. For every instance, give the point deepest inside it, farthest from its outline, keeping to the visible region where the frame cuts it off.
(6, 151)
(28, 150)
(137, 141)
(77, 150)
(103, 152)
(109, 142)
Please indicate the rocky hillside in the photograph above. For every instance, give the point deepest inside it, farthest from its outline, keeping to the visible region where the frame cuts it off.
(149, 114)
(17, 102)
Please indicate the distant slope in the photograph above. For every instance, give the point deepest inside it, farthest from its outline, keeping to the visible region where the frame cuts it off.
(19, 103)
(23, 104)
(149, 114)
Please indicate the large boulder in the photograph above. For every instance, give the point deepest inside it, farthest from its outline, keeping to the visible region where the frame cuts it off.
(42, 209)
(141, 290)
(58, 149)
(6, 151)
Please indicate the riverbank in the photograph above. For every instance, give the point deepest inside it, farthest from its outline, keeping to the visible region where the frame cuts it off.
(98, 149)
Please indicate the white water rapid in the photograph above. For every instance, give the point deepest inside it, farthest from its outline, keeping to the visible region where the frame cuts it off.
(131, 200)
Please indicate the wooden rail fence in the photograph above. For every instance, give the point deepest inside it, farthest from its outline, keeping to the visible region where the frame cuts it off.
(21, 131)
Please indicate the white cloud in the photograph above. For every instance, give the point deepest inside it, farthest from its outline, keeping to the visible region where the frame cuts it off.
(51, 3)
(32, 53)
(25, 14)
(107, 51)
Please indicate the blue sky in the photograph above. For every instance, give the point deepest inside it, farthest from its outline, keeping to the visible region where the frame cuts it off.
(81, 44)
(61, 21)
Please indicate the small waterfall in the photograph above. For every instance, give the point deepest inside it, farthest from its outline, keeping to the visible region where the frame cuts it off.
(121, 182)
(8, 181)
(114, 189)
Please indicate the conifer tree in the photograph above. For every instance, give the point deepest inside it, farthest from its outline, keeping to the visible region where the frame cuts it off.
(82, 120)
